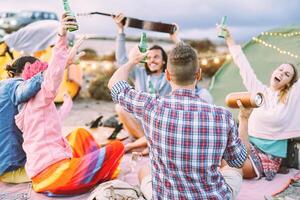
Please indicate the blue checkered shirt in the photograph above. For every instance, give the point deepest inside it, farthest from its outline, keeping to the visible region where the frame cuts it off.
(188, 138)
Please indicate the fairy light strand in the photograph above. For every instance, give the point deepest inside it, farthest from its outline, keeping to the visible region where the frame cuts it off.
(281, 34)
(215, 59)
(281, 51)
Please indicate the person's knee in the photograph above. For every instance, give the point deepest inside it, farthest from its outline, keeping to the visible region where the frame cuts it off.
(233, 169)
(233, 177)
(145, 182)
(120, 110)
(143, 172)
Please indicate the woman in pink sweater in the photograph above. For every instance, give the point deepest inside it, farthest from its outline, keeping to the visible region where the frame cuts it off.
(59, 166)
(275, 121)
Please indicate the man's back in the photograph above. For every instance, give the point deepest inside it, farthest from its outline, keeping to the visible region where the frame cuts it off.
(188, 138)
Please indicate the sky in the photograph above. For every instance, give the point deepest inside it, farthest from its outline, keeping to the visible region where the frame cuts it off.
(196, 18)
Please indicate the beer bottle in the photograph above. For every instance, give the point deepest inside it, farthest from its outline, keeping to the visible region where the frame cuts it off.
(143, 45)
(69, 13)
(223, 33)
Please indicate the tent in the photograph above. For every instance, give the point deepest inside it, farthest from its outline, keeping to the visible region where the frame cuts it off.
(37, 39)
(265, 53)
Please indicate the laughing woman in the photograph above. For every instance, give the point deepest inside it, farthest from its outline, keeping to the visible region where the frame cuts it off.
(274, 122)
(59, 166)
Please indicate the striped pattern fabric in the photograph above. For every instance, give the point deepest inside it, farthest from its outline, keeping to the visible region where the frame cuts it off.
(265, 164)
(188, 138)
(90, 165)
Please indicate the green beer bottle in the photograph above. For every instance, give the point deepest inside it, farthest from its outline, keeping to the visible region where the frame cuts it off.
(151, 88)
(143, 46)
(69, 13)
(223, 33)
(143, 43)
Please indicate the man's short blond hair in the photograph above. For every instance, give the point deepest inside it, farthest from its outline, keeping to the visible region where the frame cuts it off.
(183, 64)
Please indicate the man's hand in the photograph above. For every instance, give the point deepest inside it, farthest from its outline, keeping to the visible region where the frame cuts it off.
(135, 56)
(174, 36)
(229, 39)
(118, 18)
(244, 113)
(66, 22)
(74, 57)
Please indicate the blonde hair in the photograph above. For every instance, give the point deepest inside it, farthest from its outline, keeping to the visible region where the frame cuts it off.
(283, 93)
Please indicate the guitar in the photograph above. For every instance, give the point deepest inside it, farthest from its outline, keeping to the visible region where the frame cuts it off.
(139, 24)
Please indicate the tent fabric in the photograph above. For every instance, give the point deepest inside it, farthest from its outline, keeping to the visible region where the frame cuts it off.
(35, 37)
(276, 46)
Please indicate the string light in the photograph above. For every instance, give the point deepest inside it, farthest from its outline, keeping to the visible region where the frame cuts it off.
(94, 66)
(281, 34)
(215, 59)
(83, 65)
(107, 65)
(204, 62)
(281, 51)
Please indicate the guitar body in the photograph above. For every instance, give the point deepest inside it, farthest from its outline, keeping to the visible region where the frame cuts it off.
(151, 26)
(139, 23)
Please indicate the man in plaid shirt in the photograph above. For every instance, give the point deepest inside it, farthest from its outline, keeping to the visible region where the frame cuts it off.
(187, 137)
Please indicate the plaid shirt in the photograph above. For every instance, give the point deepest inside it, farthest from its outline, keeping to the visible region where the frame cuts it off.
(187, 139)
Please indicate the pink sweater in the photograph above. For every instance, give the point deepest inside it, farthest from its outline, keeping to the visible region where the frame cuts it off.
(40, 121)
(273, 120)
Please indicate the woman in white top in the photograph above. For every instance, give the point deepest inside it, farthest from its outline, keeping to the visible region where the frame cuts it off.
(275, 121)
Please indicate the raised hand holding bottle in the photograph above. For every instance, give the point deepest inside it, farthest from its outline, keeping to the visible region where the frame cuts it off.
(223, 33)
(69, 12)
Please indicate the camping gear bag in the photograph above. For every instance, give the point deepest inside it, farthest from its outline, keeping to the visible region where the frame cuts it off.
(293, 154)
(116, 190)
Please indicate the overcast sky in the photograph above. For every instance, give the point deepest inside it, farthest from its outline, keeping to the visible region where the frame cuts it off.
(196, 18)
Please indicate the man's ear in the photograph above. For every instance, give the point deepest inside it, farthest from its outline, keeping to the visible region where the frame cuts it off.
(10, 74)
(168, 76)
(198, 74)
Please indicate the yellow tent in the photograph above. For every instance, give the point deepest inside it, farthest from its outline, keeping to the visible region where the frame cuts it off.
(36, 39)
